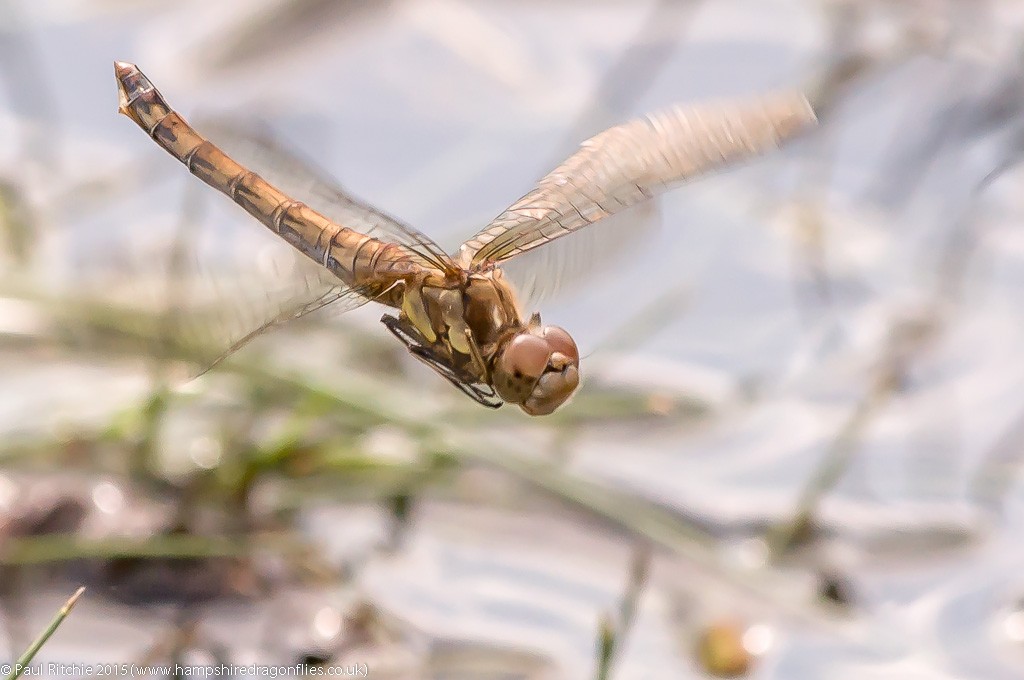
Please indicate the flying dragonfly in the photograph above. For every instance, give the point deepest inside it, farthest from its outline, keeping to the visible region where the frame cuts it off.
(459, 314)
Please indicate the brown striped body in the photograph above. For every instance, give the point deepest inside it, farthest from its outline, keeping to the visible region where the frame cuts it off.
(438, 308)
(356, 259)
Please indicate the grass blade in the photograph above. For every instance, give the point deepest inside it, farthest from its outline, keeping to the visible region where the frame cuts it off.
(34, 648)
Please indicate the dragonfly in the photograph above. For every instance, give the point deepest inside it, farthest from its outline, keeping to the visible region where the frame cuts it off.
(459, 314)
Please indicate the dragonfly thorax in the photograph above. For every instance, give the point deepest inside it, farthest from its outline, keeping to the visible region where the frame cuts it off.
(453, 315)
(474, 327)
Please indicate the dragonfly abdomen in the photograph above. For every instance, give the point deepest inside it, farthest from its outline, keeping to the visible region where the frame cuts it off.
(355, 258)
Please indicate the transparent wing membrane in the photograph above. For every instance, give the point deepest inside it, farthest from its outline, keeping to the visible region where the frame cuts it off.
(633, 162)
(245, 281)
(252, 145)
(566, 265)
(227, 299)
(339, 299)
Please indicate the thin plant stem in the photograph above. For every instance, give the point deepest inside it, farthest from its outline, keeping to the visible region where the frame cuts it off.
(25, 659)
(612, 629)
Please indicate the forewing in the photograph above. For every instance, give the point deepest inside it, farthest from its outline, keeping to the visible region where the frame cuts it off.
(632, 162)
(252, 145)
(566, 265)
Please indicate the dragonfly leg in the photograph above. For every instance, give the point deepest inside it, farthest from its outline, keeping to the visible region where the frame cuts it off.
(480, 393)
(476, 354)
(406, 334)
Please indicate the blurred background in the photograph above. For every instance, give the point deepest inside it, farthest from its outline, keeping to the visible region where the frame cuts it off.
(798, 447)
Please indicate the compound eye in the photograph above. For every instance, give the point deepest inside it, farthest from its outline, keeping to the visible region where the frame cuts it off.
(560, 341)
(525, 357)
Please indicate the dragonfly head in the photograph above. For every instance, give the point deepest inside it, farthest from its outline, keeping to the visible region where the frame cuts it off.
(538, 369)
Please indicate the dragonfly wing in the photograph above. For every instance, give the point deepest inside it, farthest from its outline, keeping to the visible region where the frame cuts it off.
(249, 281)
(632, 162)
(244, 285)
(568, 264)
(198, 294)
(255, 147)
(339, 299)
